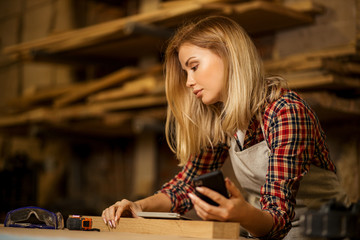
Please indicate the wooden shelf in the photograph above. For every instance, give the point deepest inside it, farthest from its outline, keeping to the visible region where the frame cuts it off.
(143, 34)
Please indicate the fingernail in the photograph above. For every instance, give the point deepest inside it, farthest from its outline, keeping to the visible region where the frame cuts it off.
(191, 195)
(109, 223)
(199, 189)
(116, 218)
(104, 220)
(114, 224)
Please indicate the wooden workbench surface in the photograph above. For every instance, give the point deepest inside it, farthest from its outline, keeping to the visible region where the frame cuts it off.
(7, 233)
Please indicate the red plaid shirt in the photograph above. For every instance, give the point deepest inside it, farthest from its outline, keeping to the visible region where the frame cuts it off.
(296, 140)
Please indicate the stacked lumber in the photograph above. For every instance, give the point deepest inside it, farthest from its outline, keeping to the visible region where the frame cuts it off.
(130, 92)
(324, 77)
(111, 100)
(130, 37)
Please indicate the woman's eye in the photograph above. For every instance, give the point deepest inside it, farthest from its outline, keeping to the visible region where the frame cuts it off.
(194, 68)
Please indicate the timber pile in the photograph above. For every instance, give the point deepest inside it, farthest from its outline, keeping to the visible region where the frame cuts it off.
(323, 76)
(111, 100)
(145, 33)
(130, 92)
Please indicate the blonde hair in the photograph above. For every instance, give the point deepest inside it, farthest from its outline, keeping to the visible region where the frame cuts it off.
(192, 125)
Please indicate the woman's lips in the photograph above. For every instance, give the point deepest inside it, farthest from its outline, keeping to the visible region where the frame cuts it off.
(197, 93)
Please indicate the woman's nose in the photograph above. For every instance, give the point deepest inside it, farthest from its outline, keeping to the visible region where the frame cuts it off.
(190, 81)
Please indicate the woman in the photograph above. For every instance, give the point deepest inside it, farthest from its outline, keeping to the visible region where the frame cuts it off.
(220, 104)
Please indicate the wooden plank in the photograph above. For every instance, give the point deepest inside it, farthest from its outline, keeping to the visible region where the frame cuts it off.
(92, 34)
(33, 116)
(179, 3)
(80, 111)
(85, 111)
(184, 228)
(254, 14)
(306, 6)
(50, 234)
(310, 82)
(342, 67)
(318, 79)
(295, 62)
(284, 66)
(332, 102)
(140, 86)
(118, 118)
(107, 81)
(42, 96)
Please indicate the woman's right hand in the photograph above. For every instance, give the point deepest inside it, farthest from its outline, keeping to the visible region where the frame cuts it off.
(112, 214)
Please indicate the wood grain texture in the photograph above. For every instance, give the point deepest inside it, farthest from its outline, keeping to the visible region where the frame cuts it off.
(185, 228)
(45, 234)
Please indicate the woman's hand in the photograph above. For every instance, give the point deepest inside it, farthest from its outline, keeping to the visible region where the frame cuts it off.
(121, 208)
(228, 210)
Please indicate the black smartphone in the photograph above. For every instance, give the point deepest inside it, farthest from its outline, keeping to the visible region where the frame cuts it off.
(213, 180)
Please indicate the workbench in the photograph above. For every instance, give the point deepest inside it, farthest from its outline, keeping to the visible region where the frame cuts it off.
(8, 233)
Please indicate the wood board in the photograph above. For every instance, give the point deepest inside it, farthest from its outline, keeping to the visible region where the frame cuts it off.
(49, 234)
(96, 40)
(184, 228)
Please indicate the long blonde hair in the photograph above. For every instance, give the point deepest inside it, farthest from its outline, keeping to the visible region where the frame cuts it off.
(192, 125)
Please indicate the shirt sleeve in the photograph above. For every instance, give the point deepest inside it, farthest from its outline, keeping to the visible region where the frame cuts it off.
(177, 189)
(292, 143)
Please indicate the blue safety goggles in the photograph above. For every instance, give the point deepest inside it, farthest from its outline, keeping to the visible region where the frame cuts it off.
(22, 217)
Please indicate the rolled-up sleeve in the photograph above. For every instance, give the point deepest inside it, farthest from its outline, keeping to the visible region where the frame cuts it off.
(177, 189)
(291, 138)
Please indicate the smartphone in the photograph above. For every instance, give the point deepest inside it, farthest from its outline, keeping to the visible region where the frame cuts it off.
(213, 180)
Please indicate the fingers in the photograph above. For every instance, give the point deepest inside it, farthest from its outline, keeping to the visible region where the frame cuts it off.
(108, 215)
(205, 210)
(112, 214)
(233, 190)
(227, 207)
(203, 214)
(213, 195)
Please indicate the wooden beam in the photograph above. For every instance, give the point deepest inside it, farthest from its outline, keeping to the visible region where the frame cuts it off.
(330, 101)
(253, 15)
(306, 6)
(184, 228)
(139, 86)
(89, 35)
(42, 96)
(107, 81)
(318, 79)
(342, 67)
(117, 77)
(80, 111)
(96, 110)
(307, 60)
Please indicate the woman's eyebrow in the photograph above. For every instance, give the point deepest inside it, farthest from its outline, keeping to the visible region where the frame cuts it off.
(187, 62)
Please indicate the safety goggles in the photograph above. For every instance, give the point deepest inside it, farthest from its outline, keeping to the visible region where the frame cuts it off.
(23, 217)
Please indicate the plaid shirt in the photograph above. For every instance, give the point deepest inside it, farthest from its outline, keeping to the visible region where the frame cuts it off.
(296, 140)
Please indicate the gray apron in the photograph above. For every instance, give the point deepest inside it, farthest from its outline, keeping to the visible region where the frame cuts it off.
(250, 166)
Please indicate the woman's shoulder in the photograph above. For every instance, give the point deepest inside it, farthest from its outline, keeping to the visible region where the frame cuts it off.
(289, 100)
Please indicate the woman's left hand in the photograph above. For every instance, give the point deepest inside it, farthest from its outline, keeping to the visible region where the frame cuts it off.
(231, 209)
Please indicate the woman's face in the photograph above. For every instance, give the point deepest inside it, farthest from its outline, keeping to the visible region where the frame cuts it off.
(205, 72)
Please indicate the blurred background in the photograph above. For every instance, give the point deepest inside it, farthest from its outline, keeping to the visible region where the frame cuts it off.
(82, 101)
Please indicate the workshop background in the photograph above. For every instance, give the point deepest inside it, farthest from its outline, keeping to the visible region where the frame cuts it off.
(82, 101)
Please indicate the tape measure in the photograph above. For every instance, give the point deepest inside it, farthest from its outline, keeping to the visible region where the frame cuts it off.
(76, 222)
